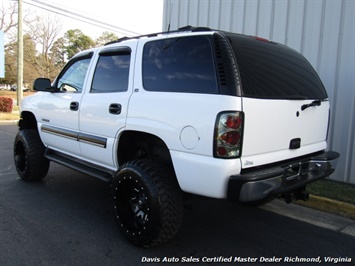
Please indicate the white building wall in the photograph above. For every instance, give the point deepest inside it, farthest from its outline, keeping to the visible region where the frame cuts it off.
(322, 30)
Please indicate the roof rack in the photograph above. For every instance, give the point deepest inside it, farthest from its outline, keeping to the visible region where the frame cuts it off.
(188, 28)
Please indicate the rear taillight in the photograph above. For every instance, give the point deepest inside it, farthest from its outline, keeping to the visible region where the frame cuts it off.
(228, 135)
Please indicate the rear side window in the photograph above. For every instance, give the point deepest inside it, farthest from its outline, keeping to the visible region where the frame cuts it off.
(182, 64)
(273, 71)
(111, 73)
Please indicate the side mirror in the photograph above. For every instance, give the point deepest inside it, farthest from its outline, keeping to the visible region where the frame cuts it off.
(42, 84)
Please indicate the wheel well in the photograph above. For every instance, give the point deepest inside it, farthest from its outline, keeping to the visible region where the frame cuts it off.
(27, 121)
(134, 145)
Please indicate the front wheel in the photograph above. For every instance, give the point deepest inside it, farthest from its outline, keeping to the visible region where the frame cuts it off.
(147, 203)
(31, 165)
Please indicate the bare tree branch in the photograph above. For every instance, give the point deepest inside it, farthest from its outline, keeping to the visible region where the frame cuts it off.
(8, 17)
(44, 32)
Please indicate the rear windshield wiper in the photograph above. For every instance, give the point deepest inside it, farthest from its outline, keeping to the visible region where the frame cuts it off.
(314, 103)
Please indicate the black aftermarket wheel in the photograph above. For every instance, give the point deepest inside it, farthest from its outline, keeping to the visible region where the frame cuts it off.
(147, 203)
(29, 157)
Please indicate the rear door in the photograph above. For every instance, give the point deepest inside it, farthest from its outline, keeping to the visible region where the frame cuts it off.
(104, 105)
(285, 104)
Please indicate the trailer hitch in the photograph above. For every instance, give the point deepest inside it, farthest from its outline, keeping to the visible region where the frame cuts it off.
(299, 194)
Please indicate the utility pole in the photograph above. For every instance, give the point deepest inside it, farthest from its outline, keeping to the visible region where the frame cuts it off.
(19, 55)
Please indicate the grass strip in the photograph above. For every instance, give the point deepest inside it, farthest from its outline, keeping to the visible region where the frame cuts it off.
(332, 189)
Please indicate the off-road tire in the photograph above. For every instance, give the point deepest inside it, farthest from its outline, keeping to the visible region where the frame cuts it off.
(148, 202)
(31, 165)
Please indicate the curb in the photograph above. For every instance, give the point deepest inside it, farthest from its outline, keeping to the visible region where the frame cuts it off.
(321, 218)
(9, 122)
(336, 207)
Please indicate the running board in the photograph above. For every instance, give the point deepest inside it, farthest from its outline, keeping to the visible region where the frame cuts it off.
(101, 173)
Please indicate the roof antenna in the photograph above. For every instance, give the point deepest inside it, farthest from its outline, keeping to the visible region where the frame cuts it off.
(171, 14)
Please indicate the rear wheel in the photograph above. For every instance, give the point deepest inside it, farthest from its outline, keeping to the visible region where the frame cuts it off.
(147, 203)
(31, 165)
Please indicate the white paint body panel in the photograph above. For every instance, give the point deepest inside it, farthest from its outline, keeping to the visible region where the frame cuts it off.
(270, 125)
(204, 175)
(55, 111)
(166, 114)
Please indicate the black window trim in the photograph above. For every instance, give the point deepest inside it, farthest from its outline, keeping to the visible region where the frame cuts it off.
(122, 50)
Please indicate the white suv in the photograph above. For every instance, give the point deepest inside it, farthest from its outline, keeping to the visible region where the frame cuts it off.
(200, 111)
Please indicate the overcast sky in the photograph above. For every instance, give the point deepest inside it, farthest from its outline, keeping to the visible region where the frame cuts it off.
(138, 16)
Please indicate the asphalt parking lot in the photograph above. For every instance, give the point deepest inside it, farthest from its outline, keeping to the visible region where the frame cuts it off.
(67, 219)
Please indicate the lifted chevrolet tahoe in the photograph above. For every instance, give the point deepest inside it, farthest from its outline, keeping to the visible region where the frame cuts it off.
(196, 110)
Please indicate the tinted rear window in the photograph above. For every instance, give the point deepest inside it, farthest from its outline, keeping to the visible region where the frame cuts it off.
(183, 64)
(273, 71)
